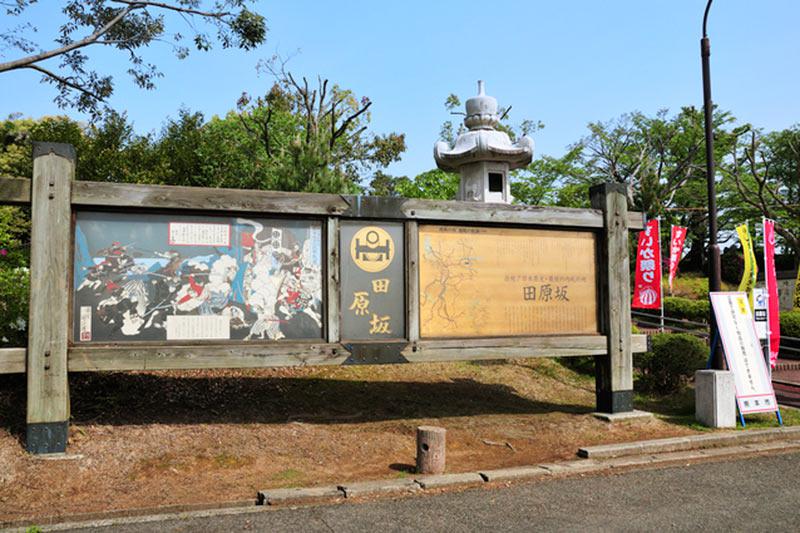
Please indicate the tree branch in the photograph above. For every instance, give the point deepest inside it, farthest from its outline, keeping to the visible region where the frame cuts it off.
(86, 41)
(338, 133)
(65, 81)
(170, 7)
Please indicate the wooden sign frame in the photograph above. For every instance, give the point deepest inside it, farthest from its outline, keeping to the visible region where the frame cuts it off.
(55, 196)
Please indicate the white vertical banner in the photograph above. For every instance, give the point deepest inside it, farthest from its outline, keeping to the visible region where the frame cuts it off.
(737, 331)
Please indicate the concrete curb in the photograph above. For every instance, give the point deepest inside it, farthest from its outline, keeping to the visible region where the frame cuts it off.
(378, 486)
(692, 442)
(449, 480)
(509, 474)
(295, 495)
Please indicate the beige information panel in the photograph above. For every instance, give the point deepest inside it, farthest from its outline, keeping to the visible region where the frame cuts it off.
(495, 282)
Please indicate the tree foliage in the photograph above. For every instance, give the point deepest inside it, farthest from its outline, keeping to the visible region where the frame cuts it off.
(762, 174)
(314, 134)
(127, 26)
(293, 138)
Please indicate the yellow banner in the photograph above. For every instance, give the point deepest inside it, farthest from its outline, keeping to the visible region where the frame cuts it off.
(750, 267)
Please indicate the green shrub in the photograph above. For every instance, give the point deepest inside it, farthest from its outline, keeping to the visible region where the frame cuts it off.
(671, 362)
(14, 284)
(686, 309)
(790, 323)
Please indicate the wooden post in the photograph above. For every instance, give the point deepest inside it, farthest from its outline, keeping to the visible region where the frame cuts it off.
(430, 450)
(48, 392)
(412, 281)
(332, 244)
(614, 370)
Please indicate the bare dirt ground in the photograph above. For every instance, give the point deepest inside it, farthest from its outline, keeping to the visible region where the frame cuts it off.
(149, 439)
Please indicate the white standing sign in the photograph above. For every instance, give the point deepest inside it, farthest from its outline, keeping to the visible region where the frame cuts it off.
(737, 330)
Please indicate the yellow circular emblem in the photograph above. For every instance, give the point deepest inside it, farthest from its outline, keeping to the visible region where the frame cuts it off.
(372, 249)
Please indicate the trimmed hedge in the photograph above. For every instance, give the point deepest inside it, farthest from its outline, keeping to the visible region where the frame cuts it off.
(671, 362)
(686, 309)
(790, 323)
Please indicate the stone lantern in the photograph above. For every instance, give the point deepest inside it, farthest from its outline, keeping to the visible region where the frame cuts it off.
(483, 155)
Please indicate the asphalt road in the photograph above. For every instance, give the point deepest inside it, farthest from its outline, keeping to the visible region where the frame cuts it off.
(753, 494)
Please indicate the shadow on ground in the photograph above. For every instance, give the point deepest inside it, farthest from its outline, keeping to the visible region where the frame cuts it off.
(147, 398)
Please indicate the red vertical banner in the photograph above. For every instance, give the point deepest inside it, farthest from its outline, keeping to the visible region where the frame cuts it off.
(676, 241)
(773, 303)
(647, 288)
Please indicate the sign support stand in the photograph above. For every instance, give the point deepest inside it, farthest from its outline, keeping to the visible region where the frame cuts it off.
(48, 390)
(614, 370)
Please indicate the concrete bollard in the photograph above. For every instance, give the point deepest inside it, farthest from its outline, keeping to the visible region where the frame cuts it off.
(430, 450)
(715, 398)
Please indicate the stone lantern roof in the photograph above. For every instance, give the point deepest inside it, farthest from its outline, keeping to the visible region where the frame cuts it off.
(483, 142)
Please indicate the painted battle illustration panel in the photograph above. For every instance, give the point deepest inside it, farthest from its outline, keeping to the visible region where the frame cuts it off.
(145, 277)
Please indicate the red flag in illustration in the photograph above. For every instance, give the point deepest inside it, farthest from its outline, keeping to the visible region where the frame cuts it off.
(647, 289)
(676, 241)
(773, 304)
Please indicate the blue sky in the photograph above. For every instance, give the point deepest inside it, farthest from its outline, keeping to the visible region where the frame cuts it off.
(564, 63)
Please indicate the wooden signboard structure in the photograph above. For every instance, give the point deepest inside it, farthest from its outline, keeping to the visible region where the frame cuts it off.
(147, 277)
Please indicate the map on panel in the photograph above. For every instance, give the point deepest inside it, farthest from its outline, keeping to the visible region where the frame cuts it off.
(491, 282)
(140, 277)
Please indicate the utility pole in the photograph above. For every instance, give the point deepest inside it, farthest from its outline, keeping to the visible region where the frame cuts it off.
(714, 263)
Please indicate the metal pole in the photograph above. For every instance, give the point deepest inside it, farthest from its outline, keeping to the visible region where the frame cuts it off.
(661, 275)
(714, 266)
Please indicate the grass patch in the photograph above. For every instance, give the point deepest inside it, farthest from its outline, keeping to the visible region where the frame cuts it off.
(693, 285)
(679, 409)
(791, 417)
(226, 460)
(290, 474)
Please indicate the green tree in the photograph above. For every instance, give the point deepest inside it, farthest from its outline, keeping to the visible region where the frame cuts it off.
(14, 276)
(552, 181)
(313, 136)
(762, 173)
(433, 184)
(661, 159)
(128, 26)
(383, 184)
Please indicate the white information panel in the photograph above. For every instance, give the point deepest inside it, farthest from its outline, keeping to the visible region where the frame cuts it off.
(737, 330)
(199, 234)
(198, 327)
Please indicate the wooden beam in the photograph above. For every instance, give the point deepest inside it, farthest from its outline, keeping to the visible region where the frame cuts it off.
(83, 358)
(101, 194)
(635, 220)
(48, 330)
(15, 191)
(87, 358)
(638, 343)
(126, 195)
(12, 360)
(506, 348)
